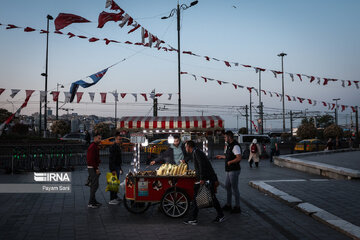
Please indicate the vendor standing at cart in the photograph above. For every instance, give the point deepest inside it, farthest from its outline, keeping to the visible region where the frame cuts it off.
(115, 162)
(204, 172)
(175, 154)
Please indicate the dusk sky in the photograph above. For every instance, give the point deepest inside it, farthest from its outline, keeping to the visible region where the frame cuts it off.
(321, 38)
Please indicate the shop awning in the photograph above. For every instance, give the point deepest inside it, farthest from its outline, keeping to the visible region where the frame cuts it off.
(190, 123)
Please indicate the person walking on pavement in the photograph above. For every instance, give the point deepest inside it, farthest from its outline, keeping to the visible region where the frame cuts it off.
(204, 172)
(255, 152)
(93, 161)
(329, 144)
(87, 137)
(232, 168)
(115, 162)
(273, 147)
(175, 154)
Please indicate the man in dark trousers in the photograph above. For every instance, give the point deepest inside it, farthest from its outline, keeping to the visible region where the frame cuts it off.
(93, 161)
(232, 168)
(115, 162)
(204, 172)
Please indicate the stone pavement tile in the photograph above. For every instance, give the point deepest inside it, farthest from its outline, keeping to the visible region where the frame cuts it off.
(339, 197)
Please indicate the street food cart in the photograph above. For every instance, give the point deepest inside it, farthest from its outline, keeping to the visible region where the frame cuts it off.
(170, 185)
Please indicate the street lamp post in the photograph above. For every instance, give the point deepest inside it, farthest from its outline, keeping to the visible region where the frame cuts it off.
(282, 55)
(177, 10)
(46, 72)
(261, 129)
(250, 113)
(57, 100)
(336, 105)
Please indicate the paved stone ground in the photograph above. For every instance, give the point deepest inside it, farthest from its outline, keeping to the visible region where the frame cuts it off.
(66, 216)
(339, 197)
(342, 159)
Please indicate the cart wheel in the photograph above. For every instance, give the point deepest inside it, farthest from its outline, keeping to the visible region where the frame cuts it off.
(175, 203)
(136, 207)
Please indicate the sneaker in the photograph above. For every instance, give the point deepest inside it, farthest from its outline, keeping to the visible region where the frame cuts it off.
(119, 199)
(98, 204)
(191, 222)
(92, 205)
(227, 208)
(236, 210)
(219, 219)
(114, 202)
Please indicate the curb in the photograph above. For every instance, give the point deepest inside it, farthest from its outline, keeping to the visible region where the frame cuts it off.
(309, 209)
(312, 167)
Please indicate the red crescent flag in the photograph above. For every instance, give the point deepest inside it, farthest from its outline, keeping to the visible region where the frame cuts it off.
(65, 19)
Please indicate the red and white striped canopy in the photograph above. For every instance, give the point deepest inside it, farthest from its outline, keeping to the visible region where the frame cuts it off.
(191, 123)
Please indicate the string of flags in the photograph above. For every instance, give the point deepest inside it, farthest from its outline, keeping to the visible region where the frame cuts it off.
(103, 95)
(293, 76)
(65, 19)
(271, 93)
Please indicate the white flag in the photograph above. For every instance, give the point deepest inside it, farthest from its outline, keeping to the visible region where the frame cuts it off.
(319, 80)
(124, 20)
(343, 83)
(152, 94)
(274, 72)
(356, 84)
(292, 76)
(14, 92)
(135, 96)
(42, 96)
(108, 3)
(170, 95)
(67, 97)
(116, 96)
(92, 95)
(314, 103)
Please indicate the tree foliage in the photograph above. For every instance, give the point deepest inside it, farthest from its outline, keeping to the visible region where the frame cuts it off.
(60, 127)
(243, 130)
(4, 114)
(21, 129)
(306, 130)
(333, 131)
(325, 121)
(103, 129)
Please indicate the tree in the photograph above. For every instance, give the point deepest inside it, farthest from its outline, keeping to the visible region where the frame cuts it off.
(21, 129)
(103, 129)
(243, 130)
(325, 121)
(333, 131)
(306, 130)
(4, 114)
(60, 127)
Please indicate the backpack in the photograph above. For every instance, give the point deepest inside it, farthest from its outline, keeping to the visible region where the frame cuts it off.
(253, 148)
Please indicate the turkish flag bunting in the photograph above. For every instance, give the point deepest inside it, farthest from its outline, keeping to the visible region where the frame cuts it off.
(248, 66)
(11, 26)
(249, 88)
(204, 78)
(55, 95)
(103, 97)
(65, 19)
(343, 107)
(207, 58)
(2, 90)
(299, 75)
(309, 100)
(144, 95)
(122, 95)
(353, 108)
(312, 79)
(333, 106)
(324, 103)
(227, 63)
(79, 96)
(289, 98)
(235, 86)
(158, 95)
(93, 39)
(219, 82)
(71, 35)
(29, 29)
(105, 17)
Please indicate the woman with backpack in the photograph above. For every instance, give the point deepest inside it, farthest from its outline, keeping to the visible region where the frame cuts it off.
(255, 152)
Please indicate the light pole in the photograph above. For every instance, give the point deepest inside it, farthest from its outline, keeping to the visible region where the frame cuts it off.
(336, 118)
(250, 113)
(177, 10)
(261, 130)
(282, 55)
(57, 100)
(48, 17)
